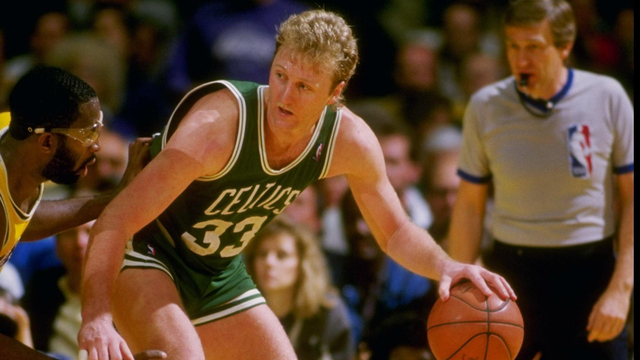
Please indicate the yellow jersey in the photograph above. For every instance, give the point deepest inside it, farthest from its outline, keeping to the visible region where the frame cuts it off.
(16, 219)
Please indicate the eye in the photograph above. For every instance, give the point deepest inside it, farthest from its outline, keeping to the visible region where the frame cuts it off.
(303, 87)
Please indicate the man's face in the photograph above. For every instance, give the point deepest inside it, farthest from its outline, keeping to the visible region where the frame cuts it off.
(72, 158)
(444, 188)
(531, 51)
(298, 92)
(402, 172)
(71, 246)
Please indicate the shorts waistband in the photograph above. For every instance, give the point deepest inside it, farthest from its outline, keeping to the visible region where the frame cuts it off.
(596, 247)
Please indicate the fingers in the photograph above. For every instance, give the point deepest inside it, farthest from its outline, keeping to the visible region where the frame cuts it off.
(502, 287)
(443, 288)
(480, 283)
(604, 329)
(150, 355)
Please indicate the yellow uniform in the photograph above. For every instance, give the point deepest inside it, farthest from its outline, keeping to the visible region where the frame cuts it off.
(16, 219)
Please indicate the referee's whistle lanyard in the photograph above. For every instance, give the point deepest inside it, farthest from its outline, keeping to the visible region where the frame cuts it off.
(537, 107)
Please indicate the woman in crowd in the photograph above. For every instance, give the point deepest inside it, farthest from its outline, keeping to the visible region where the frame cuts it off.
(289, 269)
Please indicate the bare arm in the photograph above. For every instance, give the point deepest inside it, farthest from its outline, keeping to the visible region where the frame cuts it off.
(52, 217)
(622, 278)
(465, 230)
(209, 128)
(609, 314)
(359, 157)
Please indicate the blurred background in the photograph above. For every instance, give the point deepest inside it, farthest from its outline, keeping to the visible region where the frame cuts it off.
(420, 60)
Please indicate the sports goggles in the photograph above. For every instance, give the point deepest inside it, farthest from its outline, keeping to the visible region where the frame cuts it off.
(87, 136)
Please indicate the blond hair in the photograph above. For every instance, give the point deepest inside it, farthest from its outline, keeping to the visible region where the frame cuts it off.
(313, 282)
(324, 38)
(558, 12)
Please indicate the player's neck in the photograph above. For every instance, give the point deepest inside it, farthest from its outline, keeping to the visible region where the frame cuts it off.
(284, 148)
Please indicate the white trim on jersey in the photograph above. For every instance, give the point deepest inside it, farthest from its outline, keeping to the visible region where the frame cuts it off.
(241, 126)
(332, 142)
(261, 142)
(242, 121)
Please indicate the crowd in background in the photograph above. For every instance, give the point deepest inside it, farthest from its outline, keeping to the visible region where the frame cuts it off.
(420, 62)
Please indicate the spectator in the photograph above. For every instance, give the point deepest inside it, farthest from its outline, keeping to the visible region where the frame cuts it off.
(95, 62)
(228, 39)
(53, 296)
(287, 264)
(372, 284)
(305, 209)
(401, 336)
(50, 28)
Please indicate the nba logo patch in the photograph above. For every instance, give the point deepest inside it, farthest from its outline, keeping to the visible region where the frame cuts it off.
(150, 250)
(316, 156)
(579, 141)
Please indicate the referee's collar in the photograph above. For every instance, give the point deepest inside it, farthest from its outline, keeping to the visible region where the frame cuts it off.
(547, 105)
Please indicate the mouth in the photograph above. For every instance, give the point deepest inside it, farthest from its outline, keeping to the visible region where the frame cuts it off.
(524, 79)
(283, 111)
(84, 168)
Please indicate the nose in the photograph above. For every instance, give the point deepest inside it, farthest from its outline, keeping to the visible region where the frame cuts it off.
(287, 94)
(270, 259)
(522, 58)
(96, 145)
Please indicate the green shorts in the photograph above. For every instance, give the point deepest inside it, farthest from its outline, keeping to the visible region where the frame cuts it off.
(206, 296)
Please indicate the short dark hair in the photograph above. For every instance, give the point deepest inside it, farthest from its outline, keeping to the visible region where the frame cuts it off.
(558, 12)
(46, 97)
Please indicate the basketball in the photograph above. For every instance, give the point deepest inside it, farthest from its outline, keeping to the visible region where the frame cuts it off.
(470, 326)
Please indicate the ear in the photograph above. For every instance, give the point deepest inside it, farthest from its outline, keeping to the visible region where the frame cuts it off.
(335, 94)
(48, 143)
(566, 51)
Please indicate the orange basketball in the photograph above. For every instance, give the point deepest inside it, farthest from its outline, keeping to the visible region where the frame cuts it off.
(470, 326)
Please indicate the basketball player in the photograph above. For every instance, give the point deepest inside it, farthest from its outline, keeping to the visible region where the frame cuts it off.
(232, 156)
(51, 133)
(555, 142)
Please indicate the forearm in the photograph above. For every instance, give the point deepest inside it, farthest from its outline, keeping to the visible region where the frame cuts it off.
(102, 265)
(622, 278)
(54, 216)
(465, 233)
(413, 248)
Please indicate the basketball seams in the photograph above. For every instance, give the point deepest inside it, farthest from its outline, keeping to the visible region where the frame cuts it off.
(471, 319)
(503, 341)
(471, 305)
(467, 342)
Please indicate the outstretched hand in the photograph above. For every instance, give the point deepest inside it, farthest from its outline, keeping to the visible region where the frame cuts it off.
(484, 279)
(139, 156)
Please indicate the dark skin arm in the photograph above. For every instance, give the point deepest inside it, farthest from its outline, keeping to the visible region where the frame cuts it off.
(52, 217)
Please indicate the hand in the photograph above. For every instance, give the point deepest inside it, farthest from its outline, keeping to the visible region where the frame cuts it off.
(138, 157)
(20, 317)
(608, 316)
(98, 340)
(482, 278)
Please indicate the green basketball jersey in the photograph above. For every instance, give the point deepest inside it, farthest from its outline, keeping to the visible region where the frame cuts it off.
(215, 217)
